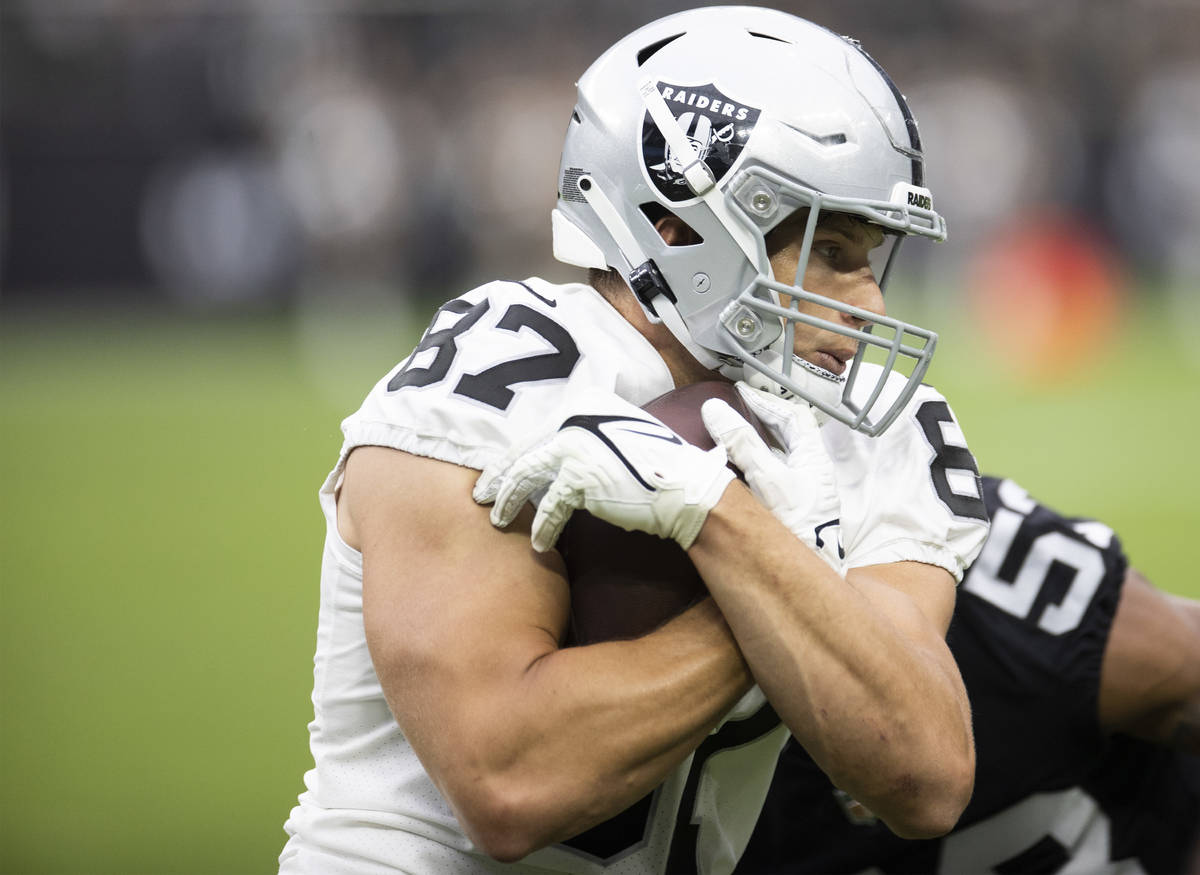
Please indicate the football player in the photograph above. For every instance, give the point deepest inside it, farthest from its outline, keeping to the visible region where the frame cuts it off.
(737, 181)
(1085, 685)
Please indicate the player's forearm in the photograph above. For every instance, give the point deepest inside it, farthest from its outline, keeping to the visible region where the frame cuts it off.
(649, 704)
(585, 732)
(883, 714)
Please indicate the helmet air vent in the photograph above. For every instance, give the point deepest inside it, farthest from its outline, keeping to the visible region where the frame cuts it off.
(646, 53)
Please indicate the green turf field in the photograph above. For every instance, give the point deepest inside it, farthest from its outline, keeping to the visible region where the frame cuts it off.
(160, 540)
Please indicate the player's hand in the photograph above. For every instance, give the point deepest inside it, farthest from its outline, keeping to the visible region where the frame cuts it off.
(798, 488)
(617, 462)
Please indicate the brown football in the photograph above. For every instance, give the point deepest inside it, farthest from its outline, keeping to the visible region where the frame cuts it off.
(625, 584)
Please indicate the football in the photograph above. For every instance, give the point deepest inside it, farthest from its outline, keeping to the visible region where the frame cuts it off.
(625, 584)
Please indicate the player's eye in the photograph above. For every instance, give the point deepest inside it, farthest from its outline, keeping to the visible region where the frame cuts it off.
(830, 252)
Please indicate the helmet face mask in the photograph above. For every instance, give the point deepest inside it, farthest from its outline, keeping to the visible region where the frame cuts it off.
(732, 119)
(901, 346)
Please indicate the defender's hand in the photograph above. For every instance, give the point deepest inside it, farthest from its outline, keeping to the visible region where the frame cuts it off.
(617, 462)
(798, 488)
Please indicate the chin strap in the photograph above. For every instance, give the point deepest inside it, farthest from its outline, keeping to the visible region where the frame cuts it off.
(654, 294)
(671, 318)
(821, 389)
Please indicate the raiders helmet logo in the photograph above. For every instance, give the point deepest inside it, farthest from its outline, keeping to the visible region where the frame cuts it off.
(716, 126)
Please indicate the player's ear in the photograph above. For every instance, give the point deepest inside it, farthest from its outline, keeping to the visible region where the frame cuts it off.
(676, 232)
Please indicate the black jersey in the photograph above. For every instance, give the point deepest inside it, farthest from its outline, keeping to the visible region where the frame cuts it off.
(1052, 791)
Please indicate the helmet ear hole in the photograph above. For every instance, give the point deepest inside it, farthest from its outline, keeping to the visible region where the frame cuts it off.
(674, 230)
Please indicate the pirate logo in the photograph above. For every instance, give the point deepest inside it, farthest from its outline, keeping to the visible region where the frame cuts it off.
(716, 127)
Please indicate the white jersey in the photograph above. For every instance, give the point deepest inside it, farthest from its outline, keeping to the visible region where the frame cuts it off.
(495, 364)
(913, 492)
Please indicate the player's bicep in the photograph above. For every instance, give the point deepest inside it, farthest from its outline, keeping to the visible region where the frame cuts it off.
(455, 610)
(1150, 679)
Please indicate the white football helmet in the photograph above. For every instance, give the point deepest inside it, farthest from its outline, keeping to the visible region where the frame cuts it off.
(732, 118)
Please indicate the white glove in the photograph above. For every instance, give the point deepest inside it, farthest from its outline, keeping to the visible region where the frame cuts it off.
(617, 462)
(799, 488)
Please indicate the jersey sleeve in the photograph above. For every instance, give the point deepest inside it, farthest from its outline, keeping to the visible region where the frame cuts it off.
(912, 493)
(496, 365)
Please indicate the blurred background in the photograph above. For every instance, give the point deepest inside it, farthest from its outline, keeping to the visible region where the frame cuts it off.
(221, 222)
